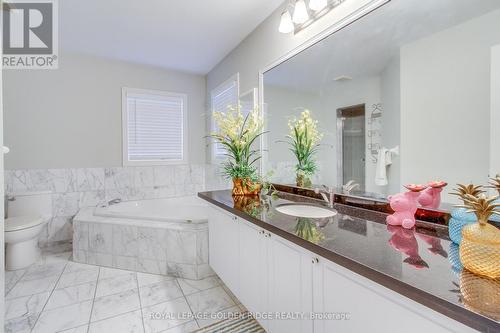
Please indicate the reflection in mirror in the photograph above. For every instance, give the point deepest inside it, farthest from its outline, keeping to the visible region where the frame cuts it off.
(407, 94)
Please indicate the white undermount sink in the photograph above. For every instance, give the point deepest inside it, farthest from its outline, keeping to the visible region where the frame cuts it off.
(302, 210)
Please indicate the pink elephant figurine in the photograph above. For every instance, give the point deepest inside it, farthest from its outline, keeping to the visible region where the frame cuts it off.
(431, 196)
(405, 206)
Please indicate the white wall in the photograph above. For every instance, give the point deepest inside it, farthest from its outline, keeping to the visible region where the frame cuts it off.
(495, 112)
(71, 117)
(445, 104)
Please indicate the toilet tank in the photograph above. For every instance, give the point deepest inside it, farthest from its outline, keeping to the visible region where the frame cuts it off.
(30, 203)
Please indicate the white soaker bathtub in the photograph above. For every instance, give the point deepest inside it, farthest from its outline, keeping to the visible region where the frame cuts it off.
(160, 236)
(183, 209)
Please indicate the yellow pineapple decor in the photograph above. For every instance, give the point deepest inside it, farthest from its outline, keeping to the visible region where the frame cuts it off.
(462, 190)
(480, 246)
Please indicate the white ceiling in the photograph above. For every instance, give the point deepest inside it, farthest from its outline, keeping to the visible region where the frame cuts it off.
(367, 46)
(186, 35)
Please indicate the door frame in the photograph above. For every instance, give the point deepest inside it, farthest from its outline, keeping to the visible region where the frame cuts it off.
(340, 141)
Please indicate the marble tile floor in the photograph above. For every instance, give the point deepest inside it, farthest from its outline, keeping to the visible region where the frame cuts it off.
(59, 295)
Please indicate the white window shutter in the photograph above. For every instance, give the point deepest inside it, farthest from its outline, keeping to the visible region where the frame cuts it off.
(223, 97)
(155, 127)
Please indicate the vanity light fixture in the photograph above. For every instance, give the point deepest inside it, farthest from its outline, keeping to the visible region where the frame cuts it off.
(317, 5)
(300, 14)
(286, 24)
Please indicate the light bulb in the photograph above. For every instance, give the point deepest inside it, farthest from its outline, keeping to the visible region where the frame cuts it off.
(317, 5)
(286, 24)
(300, 14)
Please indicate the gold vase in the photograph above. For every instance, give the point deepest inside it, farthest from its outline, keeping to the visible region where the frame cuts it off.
(245, 187)
(481, 294)
(302, 180)
(480, 249)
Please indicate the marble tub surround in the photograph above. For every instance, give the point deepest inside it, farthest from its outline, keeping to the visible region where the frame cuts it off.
(415, 263)
(157, 247)
(59, 295)
(76, 188)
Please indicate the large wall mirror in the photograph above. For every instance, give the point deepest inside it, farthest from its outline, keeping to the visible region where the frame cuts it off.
(410, 93)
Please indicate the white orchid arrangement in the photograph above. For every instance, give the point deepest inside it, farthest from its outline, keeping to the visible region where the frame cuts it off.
(236, 133)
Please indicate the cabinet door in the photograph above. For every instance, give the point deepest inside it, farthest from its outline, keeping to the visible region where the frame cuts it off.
(370, 307)
(290, 286)
(253, 269)
(223, 247)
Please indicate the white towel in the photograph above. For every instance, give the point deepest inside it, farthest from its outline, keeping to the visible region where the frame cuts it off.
(381, 169)
(384, 159)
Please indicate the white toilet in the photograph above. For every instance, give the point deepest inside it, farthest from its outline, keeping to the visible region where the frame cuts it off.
(27, 214)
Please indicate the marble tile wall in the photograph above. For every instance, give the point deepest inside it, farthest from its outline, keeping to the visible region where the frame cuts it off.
(178, 252)
(77, 188)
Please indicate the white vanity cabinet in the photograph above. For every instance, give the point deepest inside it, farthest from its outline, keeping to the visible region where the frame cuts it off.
(269, 274)
(371, 307)
(223, 246)
(290, 285)
(274, 276)
(252, 274)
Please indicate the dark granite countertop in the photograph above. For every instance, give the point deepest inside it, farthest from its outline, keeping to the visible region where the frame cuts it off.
(420, 264)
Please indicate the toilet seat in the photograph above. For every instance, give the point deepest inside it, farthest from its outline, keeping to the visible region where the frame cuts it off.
(22, 222)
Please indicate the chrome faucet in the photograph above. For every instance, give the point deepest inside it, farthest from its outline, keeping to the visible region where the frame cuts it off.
(351, 185)
(327, 193)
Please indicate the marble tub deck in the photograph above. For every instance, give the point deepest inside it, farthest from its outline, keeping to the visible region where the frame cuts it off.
(59, 295)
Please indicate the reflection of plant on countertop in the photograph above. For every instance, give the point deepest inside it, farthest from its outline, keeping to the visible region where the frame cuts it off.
(304, 141)
(255, 205)
(306, 229)
(236, 133)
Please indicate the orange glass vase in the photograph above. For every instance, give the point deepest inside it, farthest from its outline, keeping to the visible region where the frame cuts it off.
(480, 249)
(245, 187)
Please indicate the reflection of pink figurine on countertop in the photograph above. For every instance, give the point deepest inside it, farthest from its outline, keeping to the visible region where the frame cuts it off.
(404, 206)
(435, 243)
(405, 242)
(431, 196)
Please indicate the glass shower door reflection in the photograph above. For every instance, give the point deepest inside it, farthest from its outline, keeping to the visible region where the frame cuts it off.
(351, 145)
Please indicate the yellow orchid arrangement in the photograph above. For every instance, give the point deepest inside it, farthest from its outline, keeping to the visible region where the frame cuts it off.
(236, 133)
(304, 139)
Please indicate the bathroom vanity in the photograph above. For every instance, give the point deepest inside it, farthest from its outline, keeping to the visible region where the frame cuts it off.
(347, 273)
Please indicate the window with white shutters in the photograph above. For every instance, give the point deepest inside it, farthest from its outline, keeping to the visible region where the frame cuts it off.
(154, 127)
(222, 97)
